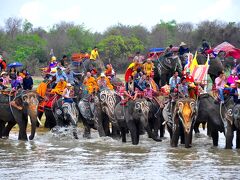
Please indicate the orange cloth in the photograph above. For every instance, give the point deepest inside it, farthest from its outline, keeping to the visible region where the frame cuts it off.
(22, 75)
(61, 85)
(91, 84)
(148, 68)
(108, 71)
(108, 83)
(42, 89)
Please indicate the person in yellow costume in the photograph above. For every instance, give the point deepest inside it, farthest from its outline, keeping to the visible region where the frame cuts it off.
(148, 67)
(94, 54)
(136, 66)
(61, 85)
(104, 83)
(90, 83)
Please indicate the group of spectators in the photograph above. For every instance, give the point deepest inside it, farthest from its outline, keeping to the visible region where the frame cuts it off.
(14, 80)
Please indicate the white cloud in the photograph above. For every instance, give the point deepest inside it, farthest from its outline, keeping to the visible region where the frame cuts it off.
(32, 11)
(71, 13)
(216, 10)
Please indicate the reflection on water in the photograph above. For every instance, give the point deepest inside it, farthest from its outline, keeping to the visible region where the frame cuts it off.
(49, 157)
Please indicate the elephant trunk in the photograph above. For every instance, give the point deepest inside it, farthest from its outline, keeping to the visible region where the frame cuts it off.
(34, 120)
(188, 139)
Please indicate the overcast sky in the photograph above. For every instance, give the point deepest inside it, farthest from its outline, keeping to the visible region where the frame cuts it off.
(97, 15)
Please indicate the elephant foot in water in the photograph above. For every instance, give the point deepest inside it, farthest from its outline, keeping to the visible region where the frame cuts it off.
(75, 135)
(87, 135)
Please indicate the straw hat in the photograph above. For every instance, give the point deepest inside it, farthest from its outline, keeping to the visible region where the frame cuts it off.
(3, 73)
(237, 81)
(182, 44)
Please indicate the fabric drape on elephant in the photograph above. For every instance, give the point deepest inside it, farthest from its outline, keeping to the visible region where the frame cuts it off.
(42, 89)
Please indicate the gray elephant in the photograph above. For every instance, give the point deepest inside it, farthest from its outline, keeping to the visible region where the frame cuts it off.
(217, 117)
(165, 67)
(12, 115)
(184, 114)
(66, 114)
(233, 125)
(134, 117)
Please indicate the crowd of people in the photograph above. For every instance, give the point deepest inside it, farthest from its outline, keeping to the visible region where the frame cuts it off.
(15, 80)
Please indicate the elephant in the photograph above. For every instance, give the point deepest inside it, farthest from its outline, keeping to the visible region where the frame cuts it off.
(91, 115)
(233, 125)
(216, 115)
(165, 67)
(156, 118)
(66, 114)
(134, 117)
(28, 100)
(184, 114)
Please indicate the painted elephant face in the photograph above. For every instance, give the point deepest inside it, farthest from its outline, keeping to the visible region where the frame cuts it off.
(186, 112)
(236, 116)
(141, 109)
(108, 102)
(30, 100)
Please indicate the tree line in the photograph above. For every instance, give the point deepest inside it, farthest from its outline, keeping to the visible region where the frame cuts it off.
(21, 41)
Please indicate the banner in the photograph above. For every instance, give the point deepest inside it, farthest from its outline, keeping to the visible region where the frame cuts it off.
(200, 73)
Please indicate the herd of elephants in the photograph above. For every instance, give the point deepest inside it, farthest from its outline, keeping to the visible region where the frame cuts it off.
(136, 117)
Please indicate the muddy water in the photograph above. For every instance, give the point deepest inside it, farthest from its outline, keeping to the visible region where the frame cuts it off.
(51, 157)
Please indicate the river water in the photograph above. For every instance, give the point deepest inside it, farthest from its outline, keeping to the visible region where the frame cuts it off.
(54, 157)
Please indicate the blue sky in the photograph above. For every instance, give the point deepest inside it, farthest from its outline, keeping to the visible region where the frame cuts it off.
(97, 15)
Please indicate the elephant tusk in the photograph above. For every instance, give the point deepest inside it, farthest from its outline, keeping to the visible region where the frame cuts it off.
(39, 121)
(164, 122)
(29, 120)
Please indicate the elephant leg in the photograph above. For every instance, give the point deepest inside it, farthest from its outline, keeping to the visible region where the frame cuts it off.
(229, 136)
(238, 139)
(2, 125)
(22, 130)
(133, 130)
(196, 127)
(87, 132)
(175, 137)
(209, 131)
(162, 130)
(204, 125)
(50, 119)
(123, 134)
(106, 126)
(8, 128)
(215, 137)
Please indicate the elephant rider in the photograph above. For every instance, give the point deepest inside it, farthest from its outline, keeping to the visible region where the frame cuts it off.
(53, 63)
(70, 75)
(235, 92)
(104, 83)
(68, 94)
(174, 81)
(109, 72)
(205, 46)
(183, 88)
(130, 88)
(124, 95)
(151, 94)
(61, 85)
(148, 67)
(220, 82)
(90, 83)
(2, 87)
(181, 51)
(94, 56)
(168, 51)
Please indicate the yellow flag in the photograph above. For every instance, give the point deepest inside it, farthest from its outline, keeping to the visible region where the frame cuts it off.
(207, 62)
(131, 65)
(194, 63)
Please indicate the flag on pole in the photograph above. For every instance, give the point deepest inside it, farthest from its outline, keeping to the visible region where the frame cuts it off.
(194, 63)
